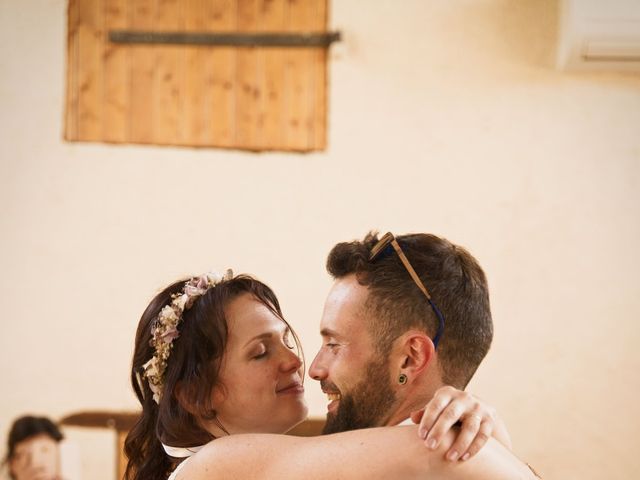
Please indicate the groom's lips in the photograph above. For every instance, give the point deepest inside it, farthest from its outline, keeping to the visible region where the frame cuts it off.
(334, 400)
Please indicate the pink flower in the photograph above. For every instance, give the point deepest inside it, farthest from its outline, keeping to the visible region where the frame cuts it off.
(170, 335)
(202, 283)
(193, 290)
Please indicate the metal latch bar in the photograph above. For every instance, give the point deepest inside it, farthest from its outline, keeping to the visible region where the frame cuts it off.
(226, 39)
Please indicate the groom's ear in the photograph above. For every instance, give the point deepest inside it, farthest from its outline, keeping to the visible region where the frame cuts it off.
(416, 353)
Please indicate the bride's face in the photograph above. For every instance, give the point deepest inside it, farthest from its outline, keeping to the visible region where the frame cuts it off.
(261, 374)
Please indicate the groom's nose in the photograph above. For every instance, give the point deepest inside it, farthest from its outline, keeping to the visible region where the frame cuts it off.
(318, 370)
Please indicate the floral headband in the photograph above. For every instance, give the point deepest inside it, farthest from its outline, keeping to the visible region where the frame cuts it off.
(165, 328)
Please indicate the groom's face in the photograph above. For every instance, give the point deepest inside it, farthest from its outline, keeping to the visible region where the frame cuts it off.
(354, 376)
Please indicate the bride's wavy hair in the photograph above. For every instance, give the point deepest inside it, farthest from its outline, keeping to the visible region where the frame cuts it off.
(193, 369)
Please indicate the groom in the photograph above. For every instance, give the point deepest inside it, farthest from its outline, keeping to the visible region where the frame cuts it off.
(405, 317)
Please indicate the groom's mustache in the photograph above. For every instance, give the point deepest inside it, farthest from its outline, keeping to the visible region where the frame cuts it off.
(329, 387)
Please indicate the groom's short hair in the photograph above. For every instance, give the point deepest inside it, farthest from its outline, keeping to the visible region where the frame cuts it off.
(455, 280)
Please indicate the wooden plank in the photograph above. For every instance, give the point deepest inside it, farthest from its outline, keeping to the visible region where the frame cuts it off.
(195, 114)
(306, 79)
(120, 421)
(116, 74)
(168, 77)
(248, 98)
(71, 114)
(297, 76)
(121, 457)
(91, 46)
(270, 61)
(311, 427)
(221, 76)
(247, 92)
(319, 117)
(141, 101)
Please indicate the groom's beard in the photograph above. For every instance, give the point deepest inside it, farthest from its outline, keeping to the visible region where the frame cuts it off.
(367, 405)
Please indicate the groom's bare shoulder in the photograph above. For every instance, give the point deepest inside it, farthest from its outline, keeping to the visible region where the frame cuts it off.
(492, 462)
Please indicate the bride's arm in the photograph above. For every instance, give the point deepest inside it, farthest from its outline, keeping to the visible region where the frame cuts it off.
(375, 453)
(479, 422)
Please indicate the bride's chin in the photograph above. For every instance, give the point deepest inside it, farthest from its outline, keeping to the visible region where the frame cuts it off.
(299, 417)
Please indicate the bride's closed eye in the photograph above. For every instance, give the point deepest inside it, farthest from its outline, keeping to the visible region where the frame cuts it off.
(259, 352)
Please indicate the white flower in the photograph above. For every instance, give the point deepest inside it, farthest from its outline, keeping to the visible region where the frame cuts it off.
(214, 278)
(165, 329)
(151, 368)
(157, 392)
(181, 301)
(168, 314)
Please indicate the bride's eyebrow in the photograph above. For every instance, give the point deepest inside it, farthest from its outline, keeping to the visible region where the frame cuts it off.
(268, 335)
(262, 336)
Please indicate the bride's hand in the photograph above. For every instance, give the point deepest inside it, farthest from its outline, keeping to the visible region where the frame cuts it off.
(449, 406)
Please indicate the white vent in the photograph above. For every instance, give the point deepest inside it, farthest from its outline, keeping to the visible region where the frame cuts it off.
(599, 35)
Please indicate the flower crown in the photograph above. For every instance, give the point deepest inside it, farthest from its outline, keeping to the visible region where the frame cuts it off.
(165, 328)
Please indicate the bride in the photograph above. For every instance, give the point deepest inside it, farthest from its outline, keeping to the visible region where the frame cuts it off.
(219, 374)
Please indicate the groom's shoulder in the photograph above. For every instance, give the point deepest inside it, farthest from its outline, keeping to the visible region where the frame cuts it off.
(492, 462)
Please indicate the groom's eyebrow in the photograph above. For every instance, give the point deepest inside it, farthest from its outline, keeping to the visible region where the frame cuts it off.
(327, 332)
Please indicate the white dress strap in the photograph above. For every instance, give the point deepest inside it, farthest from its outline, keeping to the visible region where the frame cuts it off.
(178, 468)
(180, 452)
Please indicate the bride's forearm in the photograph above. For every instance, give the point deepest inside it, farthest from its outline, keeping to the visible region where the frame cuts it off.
(378, 453)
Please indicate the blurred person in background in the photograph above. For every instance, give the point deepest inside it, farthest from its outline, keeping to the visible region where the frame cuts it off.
(33, 449)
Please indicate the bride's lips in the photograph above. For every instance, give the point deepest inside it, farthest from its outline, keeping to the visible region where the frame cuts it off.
(294, 388)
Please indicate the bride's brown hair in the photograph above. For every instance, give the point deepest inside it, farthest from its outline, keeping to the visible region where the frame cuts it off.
(193, 368)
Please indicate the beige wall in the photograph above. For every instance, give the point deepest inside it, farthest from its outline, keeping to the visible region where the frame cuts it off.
(446, 116)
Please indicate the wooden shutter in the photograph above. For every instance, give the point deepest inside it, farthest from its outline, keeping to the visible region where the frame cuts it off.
(253, 98)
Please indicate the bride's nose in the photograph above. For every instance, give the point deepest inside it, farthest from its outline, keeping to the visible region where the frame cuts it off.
(290, 361)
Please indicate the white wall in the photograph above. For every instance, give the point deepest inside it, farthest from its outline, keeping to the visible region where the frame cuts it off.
(446, 117)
